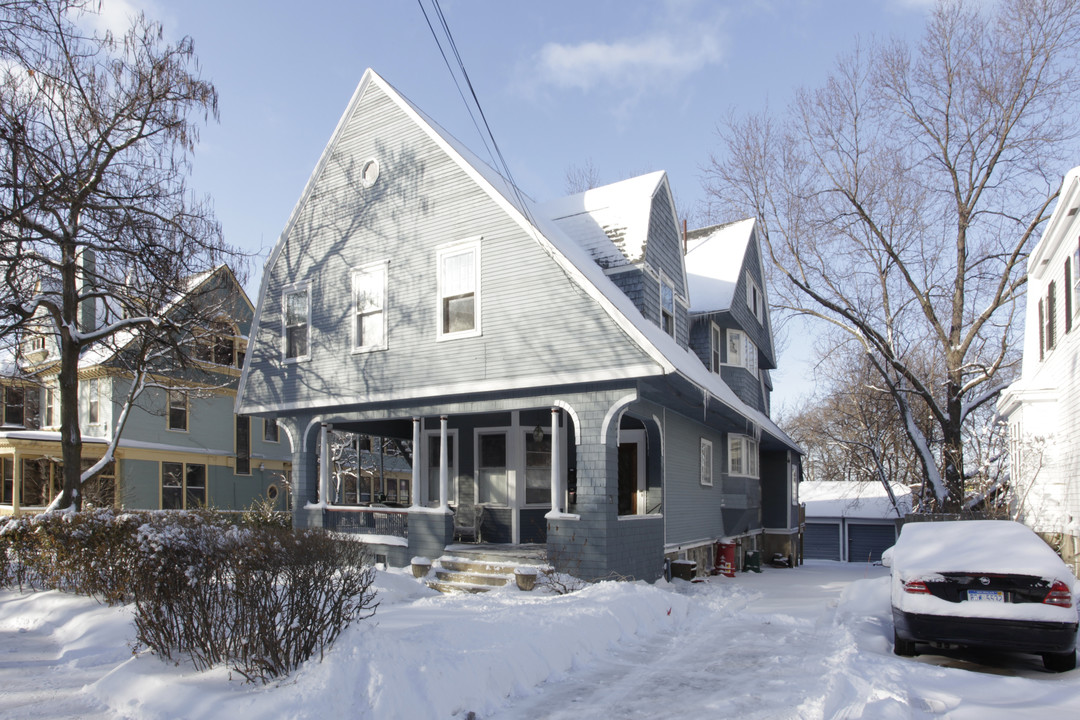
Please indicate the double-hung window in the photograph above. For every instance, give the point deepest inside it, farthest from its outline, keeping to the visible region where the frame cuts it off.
(715, 345)
(755, 300)
(1051, 298)
(296, 323)
(667, 306)
(369, 307)
(93, 401)
(706, 475)
(742, 456)
(459, 290)
(178, 410)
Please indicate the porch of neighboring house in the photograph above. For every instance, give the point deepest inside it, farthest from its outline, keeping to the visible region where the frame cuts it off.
(31, 473)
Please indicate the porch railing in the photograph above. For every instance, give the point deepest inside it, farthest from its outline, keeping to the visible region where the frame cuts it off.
(368, 521)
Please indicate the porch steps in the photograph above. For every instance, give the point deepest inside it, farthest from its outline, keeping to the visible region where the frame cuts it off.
(477, 569)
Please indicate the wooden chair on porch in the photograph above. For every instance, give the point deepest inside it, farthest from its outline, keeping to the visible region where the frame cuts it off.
(467, 520)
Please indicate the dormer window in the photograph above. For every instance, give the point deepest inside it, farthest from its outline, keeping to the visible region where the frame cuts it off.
(667, 307)
(715, 348)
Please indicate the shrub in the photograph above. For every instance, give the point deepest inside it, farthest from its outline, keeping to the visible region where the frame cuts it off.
(260, 598)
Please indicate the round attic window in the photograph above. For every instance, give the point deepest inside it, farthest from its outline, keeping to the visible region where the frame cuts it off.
(369, 172)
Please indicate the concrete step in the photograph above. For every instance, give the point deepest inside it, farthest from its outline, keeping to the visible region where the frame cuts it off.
(461, 565)
(471, 578)
(454, 587)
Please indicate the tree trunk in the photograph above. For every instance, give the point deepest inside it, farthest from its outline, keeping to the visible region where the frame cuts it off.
(953, 451)
(71, 433)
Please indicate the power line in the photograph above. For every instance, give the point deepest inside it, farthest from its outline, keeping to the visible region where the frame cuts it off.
(475, 100)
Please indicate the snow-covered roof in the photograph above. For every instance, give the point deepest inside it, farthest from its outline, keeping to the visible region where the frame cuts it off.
(867, 500)
(714, 259)
(611, 222)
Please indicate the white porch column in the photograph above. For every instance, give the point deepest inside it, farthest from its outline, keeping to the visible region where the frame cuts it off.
(556, 463)
(444, 467)
(324, 464)
(416, 462)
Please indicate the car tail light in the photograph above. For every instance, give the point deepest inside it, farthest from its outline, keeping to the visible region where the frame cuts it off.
(1059, 595)
(916, 587)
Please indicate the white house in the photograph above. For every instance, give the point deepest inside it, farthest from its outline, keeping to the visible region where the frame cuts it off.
(1043, 406)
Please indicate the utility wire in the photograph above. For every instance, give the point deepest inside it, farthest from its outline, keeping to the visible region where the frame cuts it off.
(486, 133)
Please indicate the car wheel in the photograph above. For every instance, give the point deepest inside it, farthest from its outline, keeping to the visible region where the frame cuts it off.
(1059, 662)
(905, 648)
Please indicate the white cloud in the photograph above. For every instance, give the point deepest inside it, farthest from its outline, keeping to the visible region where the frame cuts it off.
(626, 62)
(681, 45)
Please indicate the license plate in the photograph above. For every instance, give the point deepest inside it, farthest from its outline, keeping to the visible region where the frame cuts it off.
(986, 595)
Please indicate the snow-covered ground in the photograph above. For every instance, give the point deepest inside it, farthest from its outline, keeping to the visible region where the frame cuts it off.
(814, 642)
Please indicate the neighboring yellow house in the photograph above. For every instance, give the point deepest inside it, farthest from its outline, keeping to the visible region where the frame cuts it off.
(180, 448)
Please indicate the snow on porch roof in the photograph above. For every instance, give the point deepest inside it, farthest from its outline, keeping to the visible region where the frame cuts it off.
(714, 259)
(611, 222)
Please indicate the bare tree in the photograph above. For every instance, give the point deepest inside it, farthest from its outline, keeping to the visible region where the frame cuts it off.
(98, 230)
(582, 178)
(899, 200)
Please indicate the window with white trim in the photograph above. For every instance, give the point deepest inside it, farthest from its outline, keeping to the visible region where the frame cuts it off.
(459, 290)
(742, 456)
(1075, 282)
(754, 299)
(1051, 302)
(706, 462)
(93, 401)
(295, 323)
(715, 348)
(667, 306)
(741, 351)
(369, 307)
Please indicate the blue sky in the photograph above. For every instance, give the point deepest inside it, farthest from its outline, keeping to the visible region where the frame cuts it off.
(626, 86)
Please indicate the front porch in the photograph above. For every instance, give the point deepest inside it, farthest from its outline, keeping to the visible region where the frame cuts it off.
(558, 473)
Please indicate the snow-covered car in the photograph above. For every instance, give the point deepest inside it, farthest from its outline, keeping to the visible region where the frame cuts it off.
(982, 583)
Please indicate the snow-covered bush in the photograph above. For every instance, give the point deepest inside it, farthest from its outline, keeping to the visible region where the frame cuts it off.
(261, 600)
(90, 553)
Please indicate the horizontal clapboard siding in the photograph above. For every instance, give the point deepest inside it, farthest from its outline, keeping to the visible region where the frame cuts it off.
(535, 319)
(692, 511)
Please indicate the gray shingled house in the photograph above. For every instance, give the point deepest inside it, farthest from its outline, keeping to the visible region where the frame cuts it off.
(545, 370)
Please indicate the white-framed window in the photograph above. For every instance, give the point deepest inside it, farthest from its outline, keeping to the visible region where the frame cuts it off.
(1051, 303)
(178, 411)
(741, 351)
(458, 270)
(296, 323)
(715, 348)
(271, 432)
(1075, 282)
(52, 406)
(706, 462)
(742, 456)
(369, 294)
(492, 479)
(667, 306)
(93, 401)
(754, 299)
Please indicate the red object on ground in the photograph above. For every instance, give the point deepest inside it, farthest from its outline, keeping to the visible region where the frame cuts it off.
(725, 559)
